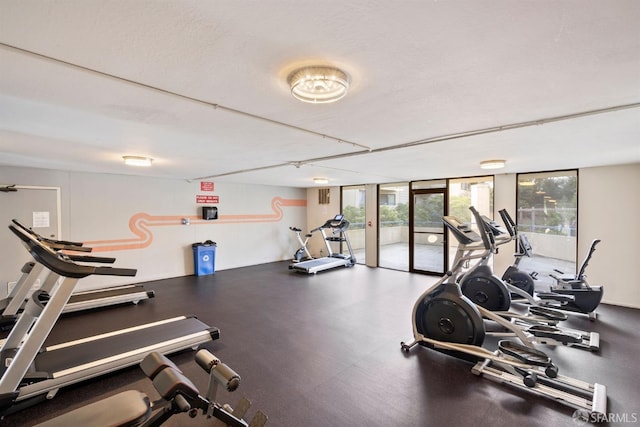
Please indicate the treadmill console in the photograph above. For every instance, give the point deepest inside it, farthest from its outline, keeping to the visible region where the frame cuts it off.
(336, 222)
(462, 232)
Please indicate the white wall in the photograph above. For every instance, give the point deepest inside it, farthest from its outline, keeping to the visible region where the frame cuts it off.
(252, 227)
(609, 209)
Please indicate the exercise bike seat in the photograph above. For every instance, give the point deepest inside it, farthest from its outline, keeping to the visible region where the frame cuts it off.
(128, 408)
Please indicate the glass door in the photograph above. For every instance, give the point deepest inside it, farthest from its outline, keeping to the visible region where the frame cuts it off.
(428, 240)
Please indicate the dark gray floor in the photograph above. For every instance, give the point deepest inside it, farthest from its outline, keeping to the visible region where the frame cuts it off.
(324, 351)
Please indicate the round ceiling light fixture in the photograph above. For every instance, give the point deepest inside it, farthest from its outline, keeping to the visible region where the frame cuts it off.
(492, 164)
(137, 160)
(318, 84)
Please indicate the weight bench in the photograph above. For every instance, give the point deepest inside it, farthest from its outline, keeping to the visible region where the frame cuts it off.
(178, 394)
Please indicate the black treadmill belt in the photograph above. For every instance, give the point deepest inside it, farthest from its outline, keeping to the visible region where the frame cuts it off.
(80, 354)
(106, 293)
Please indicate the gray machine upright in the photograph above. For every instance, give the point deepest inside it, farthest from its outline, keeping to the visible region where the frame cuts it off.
(30, 372)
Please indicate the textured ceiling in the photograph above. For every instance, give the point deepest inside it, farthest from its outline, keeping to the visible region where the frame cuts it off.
(200, 86)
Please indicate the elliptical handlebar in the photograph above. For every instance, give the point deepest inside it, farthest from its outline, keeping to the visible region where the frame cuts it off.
(487, 238)
(583, 266)
(462, 232)
(497, 232)
(509, 224)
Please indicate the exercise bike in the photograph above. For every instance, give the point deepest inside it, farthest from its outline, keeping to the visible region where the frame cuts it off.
(178, 395)
(570, 293)
(302, 254)
(446, 321)
(540, 324)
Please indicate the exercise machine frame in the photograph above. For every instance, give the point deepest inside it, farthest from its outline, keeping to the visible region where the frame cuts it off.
(541, 324)
(457, 329)
(84, 300)
(302, 254)
(571, 293)
(338, 226)
(177, 393)
(31, 372)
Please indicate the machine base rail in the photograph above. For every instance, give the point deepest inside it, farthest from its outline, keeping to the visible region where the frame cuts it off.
(595, 404)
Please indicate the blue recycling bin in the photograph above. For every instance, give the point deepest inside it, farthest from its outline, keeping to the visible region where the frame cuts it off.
(204, 258)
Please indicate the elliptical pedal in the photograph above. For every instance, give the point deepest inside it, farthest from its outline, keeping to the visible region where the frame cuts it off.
(562, 298)
(524, 354)
(548, 313)
(552, 332)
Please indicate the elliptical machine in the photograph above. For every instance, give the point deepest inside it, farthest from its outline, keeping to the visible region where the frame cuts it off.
(486, 289)
(446, 321)
(302, 254)
(513, 275)
(518, 282)
(570, 293)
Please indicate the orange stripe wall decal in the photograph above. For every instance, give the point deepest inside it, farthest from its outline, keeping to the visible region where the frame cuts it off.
(140, 223)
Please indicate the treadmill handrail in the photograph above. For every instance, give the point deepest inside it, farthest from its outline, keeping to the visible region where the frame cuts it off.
(89, 258)
(333, 223)
(50, 259)
(54, 244)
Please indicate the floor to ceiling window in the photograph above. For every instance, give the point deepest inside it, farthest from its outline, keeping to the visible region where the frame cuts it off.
(547, 213)
(353, 209)
(393, 226)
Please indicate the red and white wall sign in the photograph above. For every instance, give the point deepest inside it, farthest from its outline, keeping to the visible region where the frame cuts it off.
(206, 186)
(201, 198)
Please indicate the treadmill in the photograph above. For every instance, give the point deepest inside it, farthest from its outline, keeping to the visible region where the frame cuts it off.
(338, 226)
(31, 373)
(85, 300)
